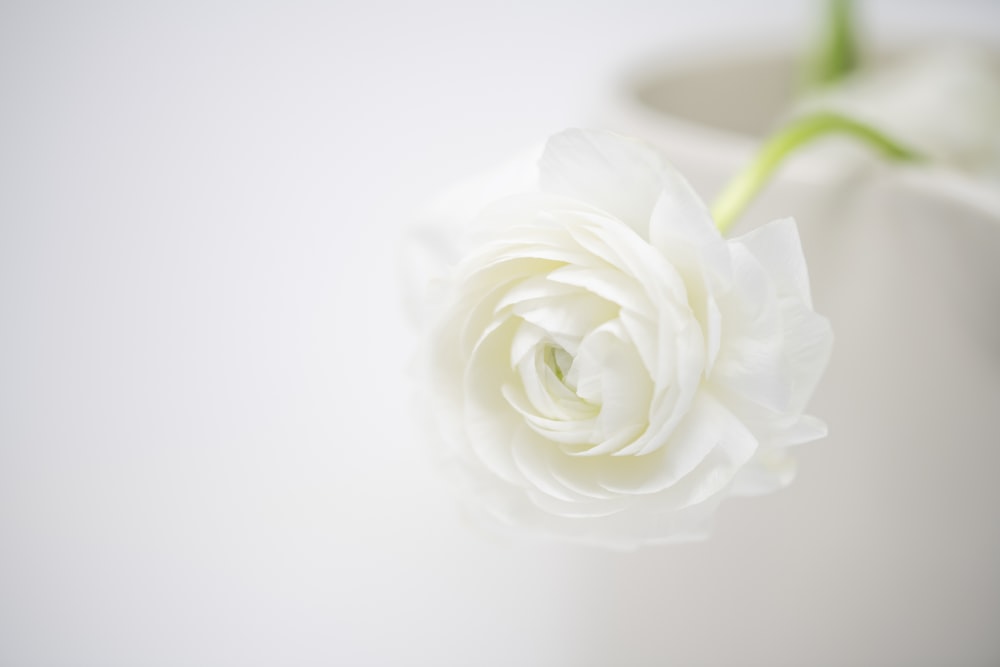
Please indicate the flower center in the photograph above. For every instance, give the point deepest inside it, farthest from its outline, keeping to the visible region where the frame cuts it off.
(559, 361)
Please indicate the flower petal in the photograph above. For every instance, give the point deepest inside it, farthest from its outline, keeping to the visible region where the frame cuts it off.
(680, 217)
(777, 247)
(708, 430)
(766, 472)
(621, 176)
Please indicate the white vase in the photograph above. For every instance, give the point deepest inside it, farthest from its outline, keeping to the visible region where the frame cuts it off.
(884, 550)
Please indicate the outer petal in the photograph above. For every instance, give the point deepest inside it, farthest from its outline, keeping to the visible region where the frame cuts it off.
(708, 431)
(778, 248)
(807, 337)
(438, 240)
(683, 231)
(680, 219)
(621, 176)
(768, 471)
(629, 530)
(752, 359)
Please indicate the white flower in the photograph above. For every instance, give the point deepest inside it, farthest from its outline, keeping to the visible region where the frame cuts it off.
(605, 367)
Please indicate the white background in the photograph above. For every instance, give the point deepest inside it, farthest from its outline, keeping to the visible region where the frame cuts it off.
(206, 454)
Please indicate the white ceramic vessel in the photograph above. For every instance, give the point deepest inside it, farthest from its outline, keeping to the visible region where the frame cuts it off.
(884, 551)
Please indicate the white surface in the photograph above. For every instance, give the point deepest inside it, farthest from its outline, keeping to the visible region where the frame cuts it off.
(205, 450)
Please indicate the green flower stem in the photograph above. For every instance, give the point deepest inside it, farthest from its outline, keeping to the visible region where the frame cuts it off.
(836, 53)
(748, 183)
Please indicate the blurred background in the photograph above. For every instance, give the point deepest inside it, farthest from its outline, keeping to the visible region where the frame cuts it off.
(206, 450)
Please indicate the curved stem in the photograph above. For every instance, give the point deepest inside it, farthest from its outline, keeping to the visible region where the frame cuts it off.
(836, 53)
(749, 182)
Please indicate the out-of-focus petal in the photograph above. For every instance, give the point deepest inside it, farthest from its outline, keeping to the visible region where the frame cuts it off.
(777, 247)
(622, 176)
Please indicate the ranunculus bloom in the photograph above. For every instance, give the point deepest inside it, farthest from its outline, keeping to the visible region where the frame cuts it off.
(605, 367)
